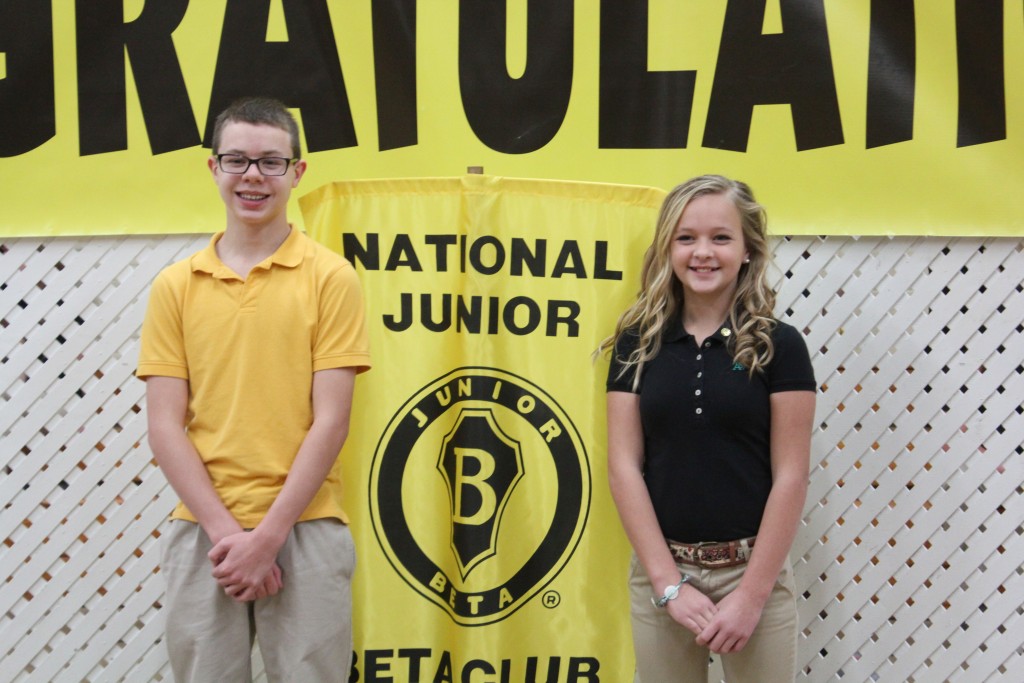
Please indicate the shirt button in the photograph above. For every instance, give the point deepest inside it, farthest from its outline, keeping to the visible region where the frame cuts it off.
(707, 344)
(697, 393)
(700, 410)
(699, 356)
(699, 375)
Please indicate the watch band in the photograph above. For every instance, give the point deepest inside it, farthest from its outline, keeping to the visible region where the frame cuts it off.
(671, 593)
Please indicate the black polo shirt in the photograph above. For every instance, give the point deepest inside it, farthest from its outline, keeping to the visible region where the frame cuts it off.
(707, 460)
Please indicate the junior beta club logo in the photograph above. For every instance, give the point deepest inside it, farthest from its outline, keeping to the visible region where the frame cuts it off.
(479, 492)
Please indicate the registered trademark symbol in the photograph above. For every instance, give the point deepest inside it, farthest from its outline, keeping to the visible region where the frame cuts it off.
(551, 599)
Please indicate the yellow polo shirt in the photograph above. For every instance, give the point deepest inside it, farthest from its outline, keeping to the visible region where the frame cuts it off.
(248, 349)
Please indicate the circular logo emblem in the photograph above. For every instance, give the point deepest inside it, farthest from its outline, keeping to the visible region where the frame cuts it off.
(479, 492)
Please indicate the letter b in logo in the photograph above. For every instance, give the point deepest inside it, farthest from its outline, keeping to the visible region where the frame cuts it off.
(481, 466)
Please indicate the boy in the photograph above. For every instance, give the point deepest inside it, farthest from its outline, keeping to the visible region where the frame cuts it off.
(250, 349)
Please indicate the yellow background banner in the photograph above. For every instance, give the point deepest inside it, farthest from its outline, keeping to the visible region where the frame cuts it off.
(905, 121)
(475, 469)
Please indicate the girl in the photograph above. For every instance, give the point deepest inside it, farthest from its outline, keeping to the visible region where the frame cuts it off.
(710, 407)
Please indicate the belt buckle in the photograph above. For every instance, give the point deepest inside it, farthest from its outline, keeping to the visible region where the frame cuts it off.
(715, 558)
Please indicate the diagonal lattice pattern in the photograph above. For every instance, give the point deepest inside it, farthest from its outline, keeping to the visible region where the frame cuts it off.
(908, 564)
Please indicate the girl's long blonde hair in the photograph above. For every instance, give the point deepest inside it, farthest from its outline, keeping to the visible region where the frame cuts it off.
(751, 315)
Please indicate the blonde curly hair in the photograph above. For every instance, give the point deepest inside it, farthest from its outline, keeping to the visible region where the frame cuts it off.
(751, 315)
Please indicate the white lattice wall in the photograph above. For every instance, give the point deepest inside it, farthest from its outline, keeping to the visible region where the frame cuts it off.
(909, 565)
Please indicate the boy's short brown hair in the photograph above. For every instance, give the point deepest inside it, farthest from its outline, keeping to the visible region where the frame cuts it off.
(264, 111)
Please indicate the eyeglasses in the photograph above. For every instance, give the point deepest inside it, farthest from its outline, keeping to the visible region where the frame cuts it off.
(239, 164)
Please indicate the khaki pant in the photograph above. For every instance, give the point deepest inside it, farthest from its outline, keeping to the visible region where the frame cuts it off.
(667, 653)
(305, 631)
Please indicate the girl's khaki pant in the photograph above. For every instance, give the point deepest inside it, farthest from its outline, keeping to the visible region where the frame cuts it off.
(667, 653)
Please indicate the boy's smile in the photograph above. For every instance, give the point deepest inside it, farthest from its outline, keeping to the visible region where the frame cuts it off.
(251, 198)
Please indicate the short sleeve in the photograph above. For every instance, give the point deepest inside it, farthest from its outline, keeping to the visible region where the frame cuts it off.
(162, 345)
(620, 378)
(790, 368)
(342, 339)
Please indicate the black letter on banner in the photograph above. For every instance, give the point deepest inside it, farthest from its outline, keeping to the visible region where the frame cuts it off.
(414, 655)
(515, 115)
(368, 257)
(566, 313)
(27, 108)
(378, 663)
(404, 319)
(981, 116)
(394, 69)
(427, 310)
(521, 255)
(794, 67)
(304, 72)
(638, 109)
(583, 668)
(103, 38)
(468, 316)
(892, 72)
(403, 255)
(532, 315)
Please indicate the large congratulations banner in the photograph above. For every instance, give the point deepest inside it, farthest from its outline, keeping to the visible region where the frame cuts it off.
(475, 470)
(857, 117)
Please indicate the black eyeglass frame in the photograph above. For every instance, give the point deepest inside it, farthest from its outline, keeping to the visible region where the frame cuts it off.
(250, 162)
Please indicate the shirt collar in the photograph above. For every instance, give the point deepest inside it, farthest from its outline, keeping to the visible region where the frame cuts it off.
(288, 255)
(674, 331)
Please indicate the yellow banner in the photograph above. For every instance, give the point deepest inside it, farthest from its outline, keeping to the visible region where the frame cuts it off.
(852, 117)
(475, 469)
